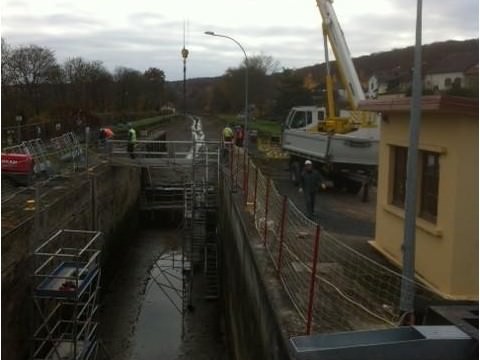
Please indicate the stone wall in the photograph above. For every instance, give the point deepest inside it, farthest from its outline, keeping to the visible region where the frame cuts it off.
(251, 314)
(105, 199)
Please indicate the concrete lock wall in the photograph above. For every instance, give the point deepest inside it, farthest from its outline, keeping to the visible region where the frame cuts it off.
(251, 322)
(105, 200)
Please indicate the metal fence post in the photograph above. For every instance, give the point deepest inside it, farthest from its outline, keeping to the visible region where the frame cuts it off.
(311, 296)
(247, 174)
(243, 182)
(236, 175)
(282, 234)
(267, 198)
(255, 193)
(231, 167)
(93, 213)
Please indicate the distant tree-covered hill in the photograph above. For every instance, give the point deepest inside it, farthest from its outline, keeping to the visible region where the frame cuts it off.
(398, 63)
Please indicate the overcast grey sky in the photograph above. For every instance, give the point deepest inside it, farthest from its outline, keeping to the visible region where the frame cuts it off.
(144, 33)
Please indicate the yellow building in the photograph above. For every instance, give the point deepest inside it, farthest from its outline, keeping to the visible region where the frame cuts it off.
(447, 191)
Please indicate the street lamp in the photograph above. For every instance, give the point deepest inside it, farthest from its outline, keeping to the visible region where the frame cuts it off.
(211, 33)
(184, 56)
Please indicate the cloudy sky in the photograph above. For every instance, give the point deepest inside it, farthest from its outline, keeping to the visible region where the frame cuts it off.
(144, 33)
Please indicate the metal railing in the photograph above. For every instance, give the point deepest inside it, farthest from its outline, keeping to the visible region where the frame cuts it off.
(331, 286)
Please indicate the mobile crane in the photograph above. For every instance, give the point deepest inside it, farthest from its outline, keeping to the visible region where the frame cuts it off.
(344, 146)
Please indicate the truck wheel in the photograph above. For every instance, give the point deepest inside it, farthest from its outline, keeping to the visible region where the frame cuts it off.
(338, 182)
(295, 172)
(353, 187)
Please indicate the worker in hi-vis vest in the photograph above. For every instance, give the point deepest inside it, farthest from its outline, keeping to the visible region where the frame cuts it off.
(227, 135)
(227, 140)
(132, 139)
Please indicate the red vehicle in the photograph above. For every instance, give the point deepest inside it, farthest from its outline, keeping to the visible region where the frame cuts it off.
(18, 167)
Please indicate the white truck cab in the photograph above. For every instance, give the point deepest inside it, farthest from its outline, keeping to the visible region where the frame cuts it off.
(305, 117)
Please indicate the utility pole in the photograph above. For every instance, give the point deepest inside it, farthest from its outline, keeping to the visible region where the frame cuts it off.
(407, 295)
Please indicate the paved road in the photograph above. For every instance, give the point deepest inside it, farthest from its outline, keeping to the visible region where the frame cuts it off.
(342, 214)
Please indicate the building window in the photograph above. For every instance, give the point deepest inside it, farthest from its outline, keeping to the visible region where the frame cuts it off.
(399, 175)
(448, 82)
(429, 170)
(457, 83)
(429, 189)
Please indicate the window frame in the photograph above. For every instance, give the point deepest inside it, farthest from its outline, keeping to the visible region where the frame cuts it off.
(399, 180)
(448, 83)
(429, 188)
(428, 181)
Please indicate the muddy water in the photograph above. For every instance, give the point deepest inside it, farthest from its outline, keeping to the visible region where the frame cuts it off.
(140, 319)
(159, 326)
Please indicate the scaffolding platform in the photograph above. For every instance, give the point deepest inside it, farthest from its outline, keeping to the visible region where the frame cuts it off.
(62, 281)
(66, 283)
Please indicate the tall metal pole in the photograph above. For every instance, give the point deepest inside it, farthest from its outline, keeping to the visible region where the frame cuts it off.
(184, 56)
(184, 243)
(407, 295)
(211, 33)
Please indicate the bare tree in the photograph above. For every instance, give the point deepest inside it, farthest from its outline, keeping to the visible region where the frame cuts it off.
(290, 91)
(7, 78)
(100, 86)
(7, 73)
(263, 64)
(31, 66)
(75, 69)
(128, 88)
(87, 83)
(260, 87)
(155, 88)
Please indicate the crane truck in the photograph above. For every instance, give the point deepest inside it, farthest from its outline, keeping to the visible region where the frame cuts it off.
(343, 146)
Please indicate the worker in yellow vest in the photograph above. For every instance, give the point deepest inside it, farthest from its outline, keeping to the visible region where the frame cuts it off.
(227, 135)
(227, 140)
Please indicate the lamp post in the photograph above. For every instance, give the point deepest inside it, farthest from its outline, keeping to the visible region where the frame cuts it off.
(184, 56)
(211, 33)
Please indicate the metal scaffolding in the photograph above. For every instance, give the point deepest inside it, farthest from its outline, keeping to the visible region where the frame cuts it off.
(200, 214)
(66, 282)
(181, 175)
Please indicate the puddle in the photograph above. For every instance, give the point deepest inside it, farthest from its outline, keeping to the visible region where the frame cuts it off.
(158, 331)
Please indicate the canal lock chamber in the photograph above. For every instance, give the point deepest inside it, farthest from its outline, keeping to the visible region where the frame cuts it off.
(163, 297)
